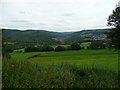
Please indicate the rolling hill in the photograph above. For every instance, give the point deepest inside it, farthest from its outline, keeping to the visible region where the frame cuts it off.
(32, 37)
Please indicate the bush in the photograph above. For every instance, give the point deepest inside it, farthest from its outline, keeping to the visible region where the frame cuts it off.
(39, 48)
(69, 48)
(97, 45)
(32, 49)
(7, 48)
(75, 46)
(60, 48)
(5, 55)
(83, 48)
(47, 48)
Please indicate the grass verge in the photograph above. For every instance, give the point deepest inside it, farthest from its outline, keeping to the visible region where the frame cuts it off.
(22, 74)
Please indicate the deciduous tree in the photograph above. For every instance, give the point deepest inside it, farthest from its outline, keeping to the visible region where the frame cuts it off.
(114, 34)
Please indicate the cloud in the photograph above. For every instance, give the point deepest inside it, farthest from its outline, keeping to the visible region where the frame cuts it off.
(20, 21)
(42, 24)
(22, 12)
(23, 22)
(68, 14)
(58, 15)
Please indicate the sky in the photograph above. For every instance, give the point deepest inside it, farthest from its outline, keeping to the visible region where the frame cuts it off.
(55, 15)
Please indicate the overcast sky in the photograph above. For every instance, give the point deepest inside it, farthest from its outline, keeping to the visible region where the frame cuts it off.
(55, 15)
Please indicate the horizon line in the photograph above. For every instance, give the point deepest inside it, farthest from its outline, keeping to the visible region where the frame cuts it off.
(51, 30)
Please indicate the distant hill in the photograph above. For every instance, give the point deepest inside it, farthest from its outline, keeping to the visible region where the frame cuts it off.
(88, 35)
(29, 37)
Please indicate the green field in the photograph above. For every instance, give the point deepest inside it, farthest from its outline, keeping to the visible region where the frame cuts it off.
(100, 58)
(66, 69)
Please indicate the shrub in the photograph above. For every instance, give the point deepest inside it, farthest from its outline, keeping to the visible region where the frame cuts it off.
(5, 55)
(7, 48)
(60, 48)
(97, 45)
(75, 46)
(39, 48)
(82, 48)
(32, 49)
(47, 48)
(69, 48)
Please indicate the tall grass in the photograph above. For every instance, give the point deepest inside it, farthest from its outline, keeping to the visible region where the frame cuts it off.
(22, 74)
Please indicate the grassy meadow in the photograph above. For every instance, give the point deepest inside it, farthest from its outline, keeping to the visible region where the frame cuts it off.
(66, 69)
(101, 58)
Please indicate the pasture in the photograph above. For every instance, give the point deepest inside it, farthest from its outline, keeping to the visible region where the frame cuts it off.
(100, 58)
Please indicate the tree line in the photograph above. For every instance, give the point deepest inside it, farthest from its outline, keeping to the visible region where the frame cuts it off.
(73, 46)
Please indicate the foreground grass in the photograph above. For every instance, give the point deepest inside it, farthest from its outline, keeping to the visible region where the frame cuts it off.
(23, 74)
(68, 69)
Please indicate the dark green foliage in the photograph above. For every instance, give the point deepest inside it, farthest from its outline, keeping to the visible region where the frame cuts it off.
(5, 55)
(7, 48)
(114, 34)
(5, 52)
(68, 47)
(60, 48)
(82, 48)
(32, 49)
(114, 18)
(39, 48)
(75, 46)
(97, 45)
(26, 75)
(47, 48)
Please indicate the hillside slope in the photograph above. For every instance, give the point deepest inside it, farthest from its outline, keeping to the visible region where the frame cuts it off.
(29, 37)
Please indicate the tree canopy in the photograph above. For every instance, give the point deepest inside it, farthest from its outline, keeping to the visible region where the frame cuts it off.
(114, 34)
